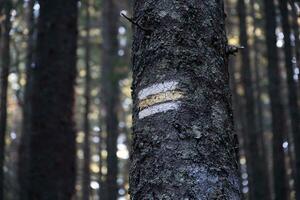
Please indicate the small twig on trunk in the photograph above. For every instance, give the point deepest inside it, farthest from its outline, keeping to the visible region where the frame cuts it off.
(232, 49)
(134, 22)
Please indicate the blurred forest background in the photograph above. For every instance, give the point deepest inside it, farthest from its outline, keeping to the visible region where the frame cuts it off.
(264, 80)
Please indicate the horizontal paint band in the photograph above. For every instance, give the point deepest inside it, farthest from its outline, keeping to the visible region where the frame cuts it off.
(159, 108)
(160, 98)
(157, 88)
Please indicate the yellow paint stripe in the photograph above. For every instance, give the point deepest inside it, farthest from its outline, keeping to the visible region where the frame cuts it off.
(160, 98)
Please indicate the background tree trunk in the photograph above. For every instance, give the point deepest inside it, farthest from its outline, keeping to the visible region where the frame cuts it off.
(110, 92)
(183, 141)
(52, 138)
(86, 123)
(24, 154)
(292, 90)
(295, 27)
(279, 123)
(255, 158)
(259, 105)
(5, 64)
(102, 190)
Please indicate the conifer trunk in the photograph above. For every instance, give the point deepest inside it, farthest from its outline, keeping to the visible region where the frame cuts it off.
(292, 90)
(279, 123)
(52, 139)
(183, 140)
(4, 72)
(110, 93)
(24, 154)
(86, 123)
(255, 158)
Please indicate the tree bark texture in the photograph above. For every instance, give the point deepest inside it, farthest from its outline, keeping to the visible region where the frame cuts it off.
(4, 72)
(52, 138)
(110, 92)
(256, 166)
(183, 140)
(279, 123)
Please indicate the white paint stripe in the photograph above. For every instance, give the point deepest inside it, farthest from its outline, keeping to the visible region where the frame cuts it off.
(157, 88)
(158, 109)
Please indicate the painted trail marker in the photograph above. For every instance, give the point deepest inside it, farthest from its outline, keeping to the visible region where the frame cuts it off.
(157, 98)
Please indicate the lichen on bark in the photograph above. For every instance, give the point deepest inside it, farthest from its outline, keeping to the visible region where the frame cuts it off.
(189, 152)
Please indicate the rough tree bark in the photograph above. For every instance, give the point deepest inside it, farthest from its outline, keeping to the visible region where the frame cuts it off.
(279, 123)
(52, 137)
(24, 154)
(255, 158)
(183, 141)
(110, 92)
(86, 123)
(292, 90)
(4, 72)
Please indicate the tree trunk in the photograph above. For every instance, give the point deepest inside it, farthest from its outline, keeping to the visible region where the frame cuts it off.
(1, 28)
(102, 190)
(279, 123)
(5, 64)
(295, 27)
(86, 123)
(24, 154)
(258, 87)
(260, 118)
(110, 92)
(239, 115)
(183, 141)
(292, 90)
(52, 137)
(256, 166)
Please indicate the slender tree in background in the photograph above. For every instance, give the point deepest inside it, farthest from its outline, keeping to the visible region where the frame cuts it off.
(102, 190)
(23, 165)
(52, 137)
(1, 22)
(258, 100)
(86, 122)
(183, 140)
(255, 159)
(2, 14)
(239, 122)
(292, 89)
(237, 100)
(279, 122)
(258, 77)
(110, 92)
(4, 72)
(296, 27)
